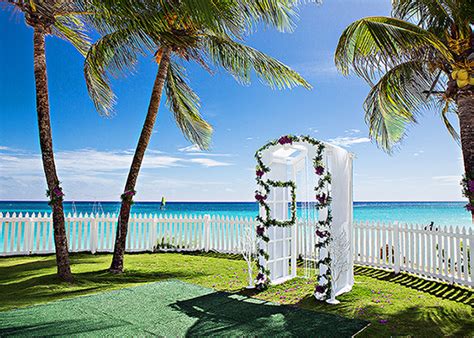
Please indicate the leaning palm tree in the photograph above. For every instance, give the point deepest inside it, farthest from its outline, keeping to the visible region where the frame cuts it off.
(421, 58)
(176, 32)
(58, 18)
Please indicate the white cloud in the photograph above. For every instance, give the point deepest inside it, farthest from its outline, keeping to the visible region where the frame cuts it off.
(208, 162)
(352, 131)
(87, 173)
(448, 180)
(190, 149)
(348, 141)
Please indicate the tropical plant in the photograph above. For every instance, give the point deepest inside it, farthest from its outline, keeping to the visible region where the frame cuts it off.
(60, 19)
(208, 32)
(420, 58)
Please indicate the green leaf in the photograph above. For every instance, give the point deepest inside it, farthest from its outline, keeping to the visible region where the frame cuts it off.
(395, 101)
(184, 103)
(373, 45)
(240, 60)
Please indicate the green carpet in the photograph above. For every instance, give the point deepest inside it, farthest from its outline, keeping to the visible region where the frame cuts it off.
(171, 308)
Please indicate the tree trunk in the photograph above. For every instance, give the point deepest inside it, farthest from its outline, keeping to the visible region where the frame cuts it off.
(465, 102)
(124, 215)
(46, 143)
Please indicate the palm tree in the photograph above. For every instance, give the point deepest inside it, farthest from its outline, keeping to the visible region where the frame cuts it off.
(58, 18)
(175, 33)
(421, 58)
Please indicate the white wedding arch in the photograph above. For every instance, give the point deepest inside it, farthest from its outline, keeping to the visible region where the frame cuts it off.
(305, 198)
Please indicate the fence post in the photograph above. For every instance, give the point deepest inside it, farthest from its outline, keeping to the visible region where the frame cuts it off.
(396, 247)
(28, 232)
(153, 231)
(94, 234)
(207, 232)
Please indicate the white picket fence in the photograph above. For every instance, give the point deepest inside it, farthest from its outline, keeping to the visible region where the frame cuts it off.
(33, 234)
(444, 253)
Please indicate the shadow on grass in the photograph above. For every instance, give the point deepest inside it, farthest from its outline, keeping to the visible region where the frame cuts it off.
(65, 327)
(225, 314)
(438, 289)
(435, 321)
(22, 284)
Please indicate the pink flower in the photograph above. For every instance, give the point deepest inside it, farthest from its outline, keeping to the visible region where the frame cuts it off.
(319, 170)
(259, 173)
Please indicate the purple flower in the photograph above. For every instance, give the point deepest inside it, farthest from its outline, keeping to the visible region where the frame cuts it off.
(285, 140)
(469, 207)
(58, 192)
(129, 193)
(260, 173)
(321, 234)
(261, 278)
(321, 198)
(260, 230)
(470, 185)
(319, 170)
(320, 289)
(383, 321)
(260, 198)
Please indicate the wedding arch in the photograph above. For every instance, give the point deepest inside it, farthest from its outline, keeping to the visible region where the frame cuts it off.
(305, 212)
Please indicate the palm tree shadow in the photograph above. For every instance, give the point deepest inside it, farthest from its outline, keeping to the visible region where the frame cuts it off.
(435, 288)
(226, 314)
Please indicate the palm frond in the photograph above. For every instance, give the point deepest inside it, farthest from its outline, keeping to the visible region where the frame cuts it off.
(184, 103)
(240, 60)
(437, 16)
(373, 45)
(115, 54)
(71, 28)
(449, 107)
(395, 101)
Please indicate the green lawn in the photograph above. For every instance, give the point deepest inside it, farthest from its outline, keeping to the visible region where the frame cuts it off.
(394, 304)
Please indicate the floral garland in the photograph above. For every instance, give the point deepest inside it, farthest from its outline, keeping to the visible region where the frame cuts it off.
(323, 289)
(55, 195)
(128, 195)
(468, 191)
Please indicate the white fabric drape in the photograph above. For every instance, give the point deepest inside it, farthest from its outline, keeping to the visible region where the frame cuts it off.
(341, 228)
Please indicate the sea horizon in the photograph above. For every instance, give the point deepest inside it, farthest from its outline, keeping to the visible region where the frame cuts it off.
(450, 213)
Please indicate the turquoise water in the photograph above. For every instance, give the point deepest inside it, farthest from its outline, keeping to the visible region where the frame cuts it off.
(442, 213)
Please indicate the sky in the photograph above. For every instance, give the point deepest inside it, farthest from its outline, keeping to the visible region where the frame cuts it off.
(93, 153)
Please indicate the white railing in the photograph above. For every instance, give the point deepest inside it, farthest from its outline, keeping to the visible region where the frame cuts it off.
(444, 253)
(33, 234)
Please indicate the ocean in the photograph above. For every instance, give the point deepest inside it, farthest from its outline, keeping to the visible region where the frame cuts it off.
(441, 213)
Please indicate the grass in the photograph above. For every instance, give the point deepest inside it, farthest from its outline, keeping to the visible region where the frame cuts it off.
(394, 304)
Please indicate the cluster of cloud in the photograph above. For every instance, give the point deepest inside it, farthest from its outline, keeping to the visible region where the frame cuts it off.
(87, 171)
(349, 138)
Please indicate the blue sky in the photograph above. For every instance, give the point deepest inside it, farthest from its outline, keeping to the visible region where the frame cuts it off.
(94, 153)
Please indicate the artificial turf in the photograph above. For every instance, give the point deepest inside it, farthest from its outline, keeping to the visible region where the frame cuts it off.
(395, 305)
(174, 309)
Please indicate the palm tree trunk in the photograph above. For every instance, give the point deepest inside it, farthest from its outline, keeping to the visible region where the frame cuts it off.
(46, 143)
(122, 228)
(465, 102)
